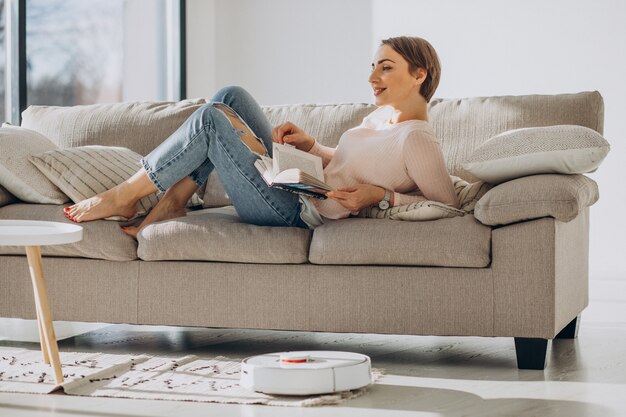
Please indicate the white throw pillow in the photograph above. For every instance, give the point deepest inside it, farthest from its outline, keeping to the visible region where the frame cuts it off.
(85, 171)
(18, 175)
(562, 149)
(467, 193)
(416, 212)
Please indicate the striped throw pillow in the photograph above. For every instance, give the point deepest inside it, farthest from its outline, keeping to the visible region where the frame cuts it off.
(85, 171)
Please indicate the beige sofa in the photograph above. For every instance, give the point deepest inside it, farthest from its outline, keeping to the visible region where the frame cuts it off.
(524, 278)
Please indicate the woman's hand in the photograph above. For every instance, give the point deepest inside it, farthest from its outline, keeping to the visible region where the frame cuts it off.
(358, 197)
(292, 135)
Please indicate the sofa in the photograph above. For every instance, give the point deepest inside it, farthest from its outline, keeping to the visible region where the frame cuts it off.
(523, 276)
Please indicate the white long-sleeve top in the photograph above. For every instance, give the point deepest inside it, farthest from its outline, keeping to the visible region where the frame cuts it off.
(400, 157)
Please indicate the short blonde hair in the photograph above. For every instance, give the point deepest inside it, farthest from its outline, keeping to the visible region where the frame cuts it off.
(419, 53)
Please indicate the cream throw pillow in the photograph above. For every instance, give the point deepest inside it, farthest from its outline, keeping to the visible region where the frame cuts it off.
(562, 149)
(18, 175)
(85, 171)
(467, 193)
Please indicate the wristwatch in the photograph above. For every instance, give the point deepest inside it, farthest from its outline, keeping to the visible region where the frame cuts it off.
(384, 203)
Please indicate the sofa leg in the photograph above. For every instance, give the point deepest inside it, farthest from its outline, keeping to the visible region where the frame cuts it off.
(531, 353)
(570, 331)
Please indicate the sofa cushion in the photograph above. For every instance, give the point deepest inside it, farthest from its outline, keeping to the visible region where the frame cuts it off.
(101, 239)
(454, 242)
(562, 149)
(462, 125)
(213, 193)
(17, 174)
(325, 122)
(554, 195)
(218, 235)
(140, 126)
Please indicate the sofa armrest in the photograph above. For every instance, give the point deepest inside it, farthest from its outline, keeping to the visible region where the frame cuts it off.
(540, 275)
(6, 197)
(555, 195)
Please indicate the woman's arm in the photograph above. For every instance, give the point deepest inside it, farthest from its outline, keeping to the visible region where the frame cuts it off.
(425, 165)
(324, 152)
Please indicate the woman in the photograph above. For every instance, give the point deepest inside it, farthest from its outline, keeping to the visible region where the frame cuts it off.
(393, 152)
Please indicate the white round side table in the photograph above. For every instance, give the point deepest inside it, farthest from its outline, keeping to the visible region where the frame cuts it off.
(32, 235)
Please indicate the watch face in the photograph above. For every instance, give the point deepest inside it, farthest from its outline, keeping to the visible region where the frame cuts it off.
(383, 205)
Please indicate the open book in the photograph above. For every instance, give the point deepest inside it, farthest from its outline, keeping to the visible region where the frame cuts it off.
(293, 170)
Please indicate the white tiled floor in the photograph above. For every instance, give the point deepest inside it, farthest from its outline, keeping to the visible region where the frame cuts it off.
(426, 376)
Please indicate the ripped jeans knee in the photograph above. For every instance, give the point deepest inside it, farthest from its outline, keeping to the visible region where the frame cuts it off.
(247, 136)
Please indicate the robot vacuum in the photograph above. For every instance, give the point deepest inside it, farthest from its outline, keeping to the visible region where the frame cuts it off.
(306, 372)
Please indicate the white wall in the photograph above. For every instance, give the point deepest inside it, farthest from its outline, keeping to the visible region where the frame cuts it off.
(201, 36)
(294, 51)
(143, 46)
(283, 51)
(494, 47)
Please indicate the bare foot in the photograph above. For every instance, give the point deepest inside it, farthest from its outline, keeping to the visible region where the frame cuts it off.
(164, 210)
(107, 204)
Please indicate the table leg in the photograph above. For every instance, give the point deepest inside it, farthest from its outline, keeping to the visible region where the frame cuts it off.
(33, 253)
(42, 339)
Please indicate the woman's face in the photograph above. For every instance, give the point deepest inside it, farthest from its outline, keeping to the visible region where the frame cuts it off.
(391, 81)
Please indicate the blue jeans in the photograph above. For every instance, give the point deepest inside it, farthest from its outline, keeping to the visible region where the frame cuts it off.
(208, 140)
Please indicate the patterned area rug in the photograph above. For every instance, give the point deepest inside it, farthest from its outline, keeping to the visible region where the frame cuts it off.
(186, 378)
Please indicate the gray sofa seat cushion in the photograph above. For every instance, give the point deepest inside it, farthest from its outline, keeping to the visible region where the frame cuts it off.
(453, 242)
(218, 235)
(101, 239)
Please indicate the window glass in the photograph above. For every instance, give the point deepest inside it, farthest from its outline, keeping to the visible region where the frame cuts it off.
(73, 51)
(94, 51)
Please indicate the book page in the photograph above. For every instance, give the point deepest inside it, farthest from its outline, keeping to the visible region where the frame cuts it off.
(287, 157)
(266, 173)
(266, 162)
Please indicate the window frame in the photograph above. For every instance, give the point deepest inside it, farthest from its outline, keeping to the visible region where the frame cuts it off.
(15, 47)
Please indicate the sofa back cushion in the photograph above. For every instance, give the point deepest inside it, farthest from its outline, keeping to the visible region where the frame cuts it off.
(462, 125)
(142, 126)
(325, 122)
(139, 126)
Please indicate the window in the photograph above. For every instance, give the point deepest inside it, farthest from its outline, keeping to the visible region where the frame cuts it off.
(95, 51)
(74, 51)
